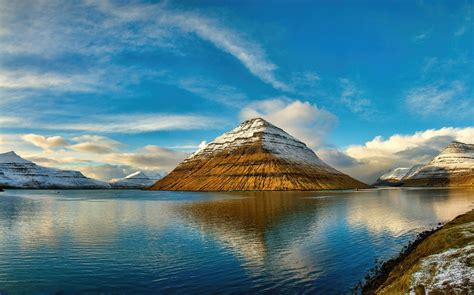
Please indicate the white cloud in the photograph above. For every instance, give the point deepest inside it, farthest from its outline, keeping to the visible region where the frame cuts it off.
(107, 172)
(150, 157)
(210, 90)
(375, 157)
(121, 123)
(440, 99)
(140, 123)
(248, 52)
(45, 142)
(9, 120)
(466, 25)
(17, 79)
(96, 156)
(95, 144)
(421, 36)
(352, 98)
(303, 120)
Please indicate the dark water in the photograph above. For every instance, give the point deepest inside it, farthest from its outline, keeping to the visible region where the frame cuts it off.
(139, 242)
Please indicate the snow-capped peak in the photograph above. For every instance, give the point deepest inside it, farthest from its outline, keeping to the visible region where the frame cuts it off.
(16, 172)
(137, 179)
(395, 174)
(12, 157)
(401, 173)
(456, 159)
(137, 174)
(273, 139)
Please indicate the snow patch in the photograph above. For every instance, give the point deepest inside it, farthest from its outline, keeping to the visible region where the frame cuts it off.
(449, 267)
(456, 159)
(16, 172)
(137, 179)
(273, 139)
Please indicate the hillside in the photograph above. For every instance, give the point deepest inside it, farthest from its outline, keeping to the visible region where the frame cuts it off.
(255, 156)
(16, 172)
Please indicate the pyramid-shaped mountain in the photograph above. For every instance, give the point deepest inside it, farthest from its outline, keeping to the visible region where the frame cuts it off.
(255, 156)
(454, 166)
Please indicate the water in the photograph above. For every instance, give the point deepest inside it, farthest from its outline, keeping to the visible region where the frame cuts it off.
(175, 242)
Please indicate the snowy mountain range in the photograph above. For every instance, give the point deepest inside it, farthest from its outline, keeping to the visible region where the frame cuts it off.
(136, 180)
(396, 176)
(454, 166)
(16, 172)
(256, 155)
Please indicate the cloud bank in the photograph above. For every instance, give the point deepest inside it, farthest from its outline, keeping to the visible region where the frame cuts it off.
(303, 120)
(370, 160)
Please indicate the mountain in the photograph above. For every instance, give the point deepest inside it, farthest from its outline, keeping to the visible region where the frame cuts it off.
(16, 172)
(255, 156)
(396, 176)
(138, 179)
(454, 166)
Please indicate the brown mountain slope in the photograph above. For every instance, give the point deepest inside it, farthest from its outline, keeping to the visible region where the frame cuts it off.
(454, 166)
(255, 156)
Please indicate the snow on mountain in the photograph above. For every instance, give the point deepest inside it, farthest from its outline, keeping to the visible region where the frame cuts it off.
(454, 166)
(16, 172)
(456, 159)
(396, 176)
(256, 155)
(137, 180)
(273, 139)
(413, 170)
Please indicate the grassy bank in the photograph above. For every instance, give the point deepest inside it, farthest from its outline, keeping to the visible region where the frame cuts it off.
(437, 262)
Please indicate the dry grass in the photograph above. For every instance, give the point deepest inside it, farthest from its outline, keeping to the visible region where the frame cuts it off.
(251, 168)
(452, 235)
(458, 181)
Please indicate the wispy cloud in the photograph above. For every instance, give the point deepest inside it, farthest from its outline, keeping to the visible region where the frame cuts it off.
(421, 36)
(352, 98)
(95, 144)
(249, 52)
(466, 25)
(221, 93)
(121, 123)
(440, 99)
(21, 79)
(45, 142)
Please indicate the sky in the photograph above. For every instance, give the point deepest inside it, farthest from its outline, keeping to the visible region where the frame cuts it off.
(112, 87)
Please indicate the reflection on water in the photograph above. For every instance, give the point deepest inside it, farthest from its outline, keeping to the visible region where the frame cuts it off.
(139, 241)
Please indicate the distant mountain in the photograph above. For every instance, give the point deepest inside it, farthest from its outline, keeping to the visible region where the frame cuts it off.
(16, 172)
(454, 166)
(255, 156)
(136, 180)
(396, 176)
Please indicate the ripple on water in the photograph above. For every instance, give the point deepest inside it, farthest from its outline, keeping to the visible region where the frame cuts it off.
(137, 241)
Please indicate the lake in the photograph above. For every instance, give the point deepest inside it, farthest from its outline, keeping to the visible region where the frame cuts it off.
(181, 242)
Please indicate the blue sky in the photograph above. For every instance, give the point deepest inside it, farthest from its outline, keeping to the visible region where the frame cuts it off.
(108, 87)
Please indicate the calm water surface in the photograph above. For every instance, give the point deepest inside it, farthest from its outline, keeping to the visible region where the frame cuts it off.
(174, 242)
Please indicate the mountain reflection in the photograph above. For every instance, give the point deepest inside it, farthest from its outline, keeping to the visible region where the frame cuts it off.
(317, 241)
(262, 228)
(398, 211)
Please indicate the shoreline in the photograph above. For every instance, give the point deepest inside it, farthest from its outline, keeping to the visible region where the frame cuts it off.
(396, 274)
